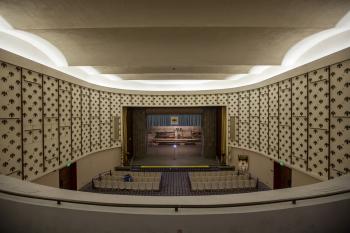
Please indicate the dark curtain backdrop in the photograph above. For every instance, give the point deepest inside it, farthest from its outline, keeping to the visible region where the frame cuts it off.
(139, 131)
(164, 120)
(209, 130)
(207, 119)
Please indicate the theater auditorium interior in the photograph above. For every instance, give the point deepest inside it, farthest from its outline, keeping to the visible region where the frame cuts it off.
(174, 116)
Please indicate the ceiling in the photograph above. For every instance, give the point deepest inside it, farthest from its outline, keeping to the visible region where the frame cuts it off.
(165, 40)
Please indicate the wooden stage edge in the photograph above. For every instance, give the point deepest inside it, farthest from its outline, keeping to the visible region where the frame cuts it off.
(194, 166)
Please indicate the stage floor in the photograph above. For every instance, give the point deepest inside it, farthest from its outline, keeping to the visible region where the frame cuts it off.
(164, 155)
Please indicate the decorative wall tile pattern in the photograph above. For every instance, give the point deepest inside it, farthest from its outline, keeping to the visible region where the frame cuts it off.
(340, 119)
(76, 122)
(318, 120)
(285, 120)
(10, 121)
(264, 119)
(51, 143)
(273, 120)
(254, 120)
(298, 121)
(32, 124)
(10, 89)
(10, 147)
(243, 129)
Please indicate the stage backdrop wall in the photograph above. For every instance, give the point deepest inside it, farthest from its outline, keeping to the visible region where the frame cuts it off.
(47, 122)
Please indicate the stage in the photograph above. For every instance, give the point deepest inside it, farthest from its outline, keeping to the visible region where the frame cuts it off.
(167, 155)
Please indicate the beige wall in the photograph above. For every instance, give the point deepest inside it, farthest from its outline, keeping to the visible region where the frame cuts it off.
(51, 179)
(93, 164)
(262, 167)
(300, 178)
(87, 168)
(259, 166)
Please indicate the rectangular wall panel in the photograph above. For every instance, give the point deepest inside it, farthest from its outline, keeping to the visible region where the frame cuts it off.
(32, 124)
(264, 119)
(299, 122)
(254, 109)
(85, 119)
(51, 140)
(65, 121)
(76, 122)
(243, 128)
(95, 120)
(232, 107)
(285, 121)
(318, 120)
(10, 121)
(340, 119)
(116, 110)
(105, 119)
(273, 121)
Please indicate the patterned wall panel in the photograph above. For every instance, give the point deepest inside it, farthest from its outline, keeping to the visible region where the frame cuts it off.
(222, 99)
(306, 117)
(201, 100)
(191, 100)
(318, 120)
(168, 100)
(85, 119)
(65, 121)
(299, 122)
(264, 119)
(273, 121)
(76, 122)
(232, 111)
(10, 91)
(95, 120)
(243, 128)
(212, 99)
(10, 121)
(285, 114)
(51, 144)
(254, 121)
(340, 119)
(32, 124)
(116, 110)
(125, 100)
(179, 100)
(136, 100)
(105, 119)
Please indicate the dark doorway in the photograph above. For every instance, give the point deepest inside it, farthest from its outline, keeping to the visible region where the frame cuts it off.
(68, 177)
(282, 176)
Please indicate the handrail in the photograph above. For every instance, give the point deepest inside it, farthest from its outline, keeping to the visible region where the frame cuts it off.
(176, 206)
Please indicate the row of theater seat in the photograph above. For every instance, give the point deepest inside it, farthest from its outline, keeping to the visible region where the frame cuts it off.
(220, 180)
(223, 185)
(214, 173)
(121, 185)
(138, 181)
(135, 174)
(134, 178)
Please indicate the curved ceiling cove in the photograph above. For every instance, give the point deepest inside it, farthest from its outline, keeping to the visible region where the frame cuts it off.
(34, 46)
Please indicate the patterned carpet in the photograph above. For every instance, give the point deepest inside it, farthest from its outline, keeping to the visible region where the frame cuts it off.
(174, 184)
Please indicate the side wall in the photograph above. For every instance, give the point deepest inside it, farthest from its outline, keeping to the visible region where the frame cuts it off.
(87, 168)
(52, 179)
(47, 122)
(300, 178)
(93, 164)
(262, 167)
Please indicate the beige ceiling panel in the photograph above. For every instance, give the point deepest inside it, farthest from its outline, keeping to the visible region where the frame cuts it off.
(53, 14)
